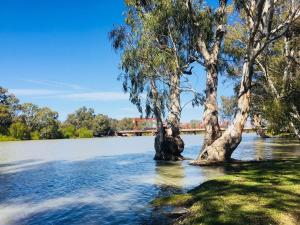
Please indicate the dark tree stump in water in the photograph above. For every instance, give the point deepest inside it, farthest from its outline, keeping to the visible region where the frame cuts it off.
(168, 148)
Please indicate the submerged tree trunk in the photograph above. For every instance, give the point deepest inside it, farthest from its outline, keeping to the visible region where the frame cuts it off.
(221, 149)
(168, 143)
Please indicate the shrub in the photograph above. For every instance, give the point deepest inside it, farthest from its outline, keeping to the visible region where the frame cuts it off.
(84, 133)
(50, 132)
(68, 131)
(7, 138)
(101, 125)
(35, 135)
(19, 131)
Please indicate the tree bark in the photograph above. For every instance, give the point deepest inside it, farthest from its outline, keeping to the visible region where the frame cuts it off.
(222, 148)
(211, 60)
(259, 21)
(168, 143)
(210, 117)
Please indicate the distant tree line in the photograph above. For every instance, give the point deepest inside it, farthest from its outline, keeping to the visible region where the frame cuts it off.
(28, 121)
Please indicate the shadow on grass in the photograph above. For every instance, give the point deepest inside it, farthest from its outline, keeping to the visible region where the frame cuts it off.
(253, 193)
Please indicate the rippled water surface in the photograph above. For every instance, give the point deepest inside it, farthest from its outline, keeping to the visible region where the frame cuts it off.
(106, 180)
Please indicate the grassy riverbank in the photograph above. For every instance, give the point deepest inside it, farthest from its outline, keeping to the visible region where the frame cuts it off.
(252, 193)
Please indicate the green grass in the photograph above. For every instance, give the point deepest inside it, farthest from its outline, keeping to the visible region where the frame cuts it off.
(254, 193)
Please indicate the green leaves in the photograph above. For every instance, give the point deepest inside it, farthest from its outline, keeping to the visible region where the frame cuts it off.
(156, 46)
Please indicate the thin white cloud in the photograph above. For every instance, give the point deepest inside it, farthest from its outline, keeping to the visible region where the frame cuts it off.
(34, 92)
(76, 96)
(96, 96)
(56, 84)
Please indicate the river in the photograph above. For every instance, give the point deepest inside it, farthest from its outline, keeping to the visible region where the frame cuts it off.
(105, 180)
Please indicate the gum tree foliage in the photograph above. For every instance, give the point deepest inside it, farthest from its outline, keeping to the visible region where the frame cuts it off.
(208, 29)
(278, 95)
(19, 131)
(156, 57)
(8, 109)
(67, 130)
(275, 77)
(83, 117)
(124, 124)
(46, 123)
(101, 126)
(84, 132)
(155, 46)
(28, 112)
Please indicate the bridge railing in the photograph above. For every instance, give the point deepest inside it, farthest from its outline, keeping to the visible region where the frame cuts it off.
(184, 131)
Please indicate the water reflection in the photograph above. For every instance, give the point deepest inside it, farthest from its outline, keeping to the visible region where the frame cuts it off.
(279, 148)
(169, 174)
(103, 181)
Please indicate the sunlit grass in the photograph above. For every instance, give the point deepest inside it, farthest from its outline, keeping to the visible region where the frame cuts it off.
(253, 193)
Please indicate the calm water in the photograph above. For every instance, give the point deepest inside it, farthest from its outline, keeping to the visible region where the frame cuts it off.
(104, 181)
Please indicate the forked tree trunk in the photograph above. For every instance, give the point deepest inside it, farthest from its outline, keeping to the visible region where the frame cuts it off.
(259, 21)
(168, 143)
(210, 117)
(222, 148)
(210, 55)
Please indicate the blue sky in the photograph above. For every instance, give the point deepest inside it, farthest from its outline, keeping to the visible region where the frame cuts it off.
(56, 53)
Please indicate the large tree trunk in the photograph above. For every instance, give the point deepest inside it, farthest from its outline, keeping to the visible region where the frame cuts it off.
(258, 20)
(210, 118)
(168, 143)
(222, 148)
(210, 55)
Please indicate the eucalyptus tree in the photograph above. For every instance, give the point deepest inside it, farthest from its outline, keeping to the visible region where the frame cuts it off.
(101, 125)
(265, 21)
(209, 27)
(9, 106)
(28, 113)
(281, 82)
(157, 53)
(82, 117)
